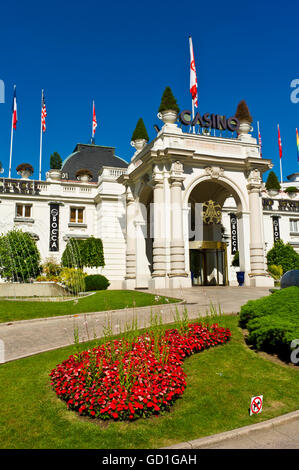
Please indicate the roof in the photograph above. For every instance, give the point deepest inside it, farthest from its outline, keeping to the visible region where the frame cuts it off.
(93, 157)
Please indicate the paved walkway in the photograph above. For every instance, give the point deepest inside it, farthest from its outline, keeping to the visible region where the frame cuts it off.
(25, 338)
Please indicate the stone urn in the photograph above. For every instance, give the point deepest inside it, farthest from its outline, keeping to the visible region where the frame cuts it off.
(273, 192)
(55, 174)
(168, 117)
(245, 127)
(84, 175)
(138, 144)
(25, 170)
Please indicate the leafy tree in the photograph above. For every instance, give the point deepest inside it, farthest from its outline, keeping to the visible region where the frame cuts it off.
(168, 101)
(283, 255)
(19, 257)
(55, 161)
(243, 113)
(140, 131)
(272, 182)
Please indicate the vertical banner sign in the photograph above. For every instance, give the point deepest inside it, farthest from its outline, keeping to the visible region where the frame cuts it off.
(54, 227)
(276, 234)
(234, 233)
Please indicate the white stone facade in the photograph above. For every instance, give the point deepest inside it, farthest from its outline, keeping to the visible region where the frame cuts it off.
(150, 215)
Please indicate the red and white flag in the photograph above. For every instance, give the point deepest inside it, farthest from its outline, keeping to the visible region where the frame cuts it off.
(279, 143)
(193, 79)
(260, 139)
(94, 119)
(44, 112)
(14, 109)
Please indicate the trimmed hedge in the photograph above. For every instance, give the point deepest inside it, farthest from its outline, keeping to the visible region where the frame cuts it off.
(273, 321)
(96, 282)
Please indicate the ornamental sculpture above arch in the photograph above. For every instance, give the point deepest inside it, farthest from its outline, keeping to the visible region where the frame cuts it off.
(214, 171)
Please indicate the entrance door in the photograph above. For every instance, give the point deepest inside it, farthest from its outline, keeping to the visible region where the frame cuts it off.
(208, 266)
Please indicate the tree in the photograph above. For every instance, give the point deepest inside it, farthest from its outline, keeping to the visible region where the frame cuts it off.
(55, 161)
(272, 182)
(87, 253)
(243, 113)
(283, 255)
(168, 101)
(19, 257)
(140, 131)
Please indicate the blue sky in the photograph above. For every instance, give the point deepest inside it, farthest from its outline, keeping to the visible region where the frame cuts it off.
(123, 55)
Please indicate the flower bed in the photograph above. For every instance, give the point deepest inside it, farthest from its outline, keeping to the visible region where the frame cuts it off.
(127, 379)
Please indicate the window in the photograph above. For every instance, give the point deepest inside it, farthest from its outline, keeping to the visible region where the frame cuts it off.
(23, 210)
(76, 215)
(294, 225)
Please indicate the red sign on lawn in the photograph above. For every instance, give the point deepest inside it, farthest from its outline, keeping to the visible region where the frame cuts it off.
(256, 405)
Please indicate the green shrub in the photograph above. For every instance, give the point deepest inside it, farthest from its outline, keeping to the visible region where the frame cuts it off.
(73, 279)
(236, 259)
(272, 182)
(55, 161)
(283, 255)
(291, 189)
(83, 253)
(273, 321)
(96, 282)
(140, 131)
(19, 257)
(243, 113)
(168, 101)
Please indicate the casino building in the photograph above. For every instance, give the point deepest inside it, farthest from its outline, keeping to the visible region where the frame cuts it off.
(174, 216)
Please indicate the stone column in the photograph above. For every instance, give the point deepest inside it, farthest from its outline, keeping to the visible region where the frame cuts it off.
(159, 236)
(130, 278)
(257, 275)
(178, 276)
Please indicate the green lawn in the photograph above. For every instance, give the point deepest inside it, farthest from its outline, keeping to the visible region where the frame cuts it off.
(220, 384)
(11, 310)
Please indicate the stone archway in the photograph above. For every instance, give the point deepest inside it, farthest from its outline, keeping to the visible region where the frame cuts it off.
(206, 248)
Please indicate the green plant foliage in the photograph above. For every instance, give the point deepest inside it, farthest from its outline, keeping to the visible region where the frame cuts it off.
(71, 257)
(168, 101)
(73, 279)
(96, 282)
(283, 255)
(55, 161)
(291, 189)
(275, 271)
(273, 321)
(19, 257)
(236, 259)
(140, 131)
(272, 182)
(243, 113)
(83, 253)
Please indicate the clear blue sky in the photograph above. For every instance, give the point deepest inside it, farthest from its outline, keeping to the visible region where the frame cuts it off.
(123, 54)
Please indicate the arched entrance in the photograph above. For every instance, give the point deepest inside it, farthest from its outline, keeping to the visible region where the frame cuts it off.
(209, 203)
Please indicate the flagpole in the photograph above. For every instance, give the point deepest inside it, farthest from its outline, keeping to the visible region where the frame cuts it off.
(92, 134)
(259, 137)
(11, 141)
(41, 140)
(280, 157)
